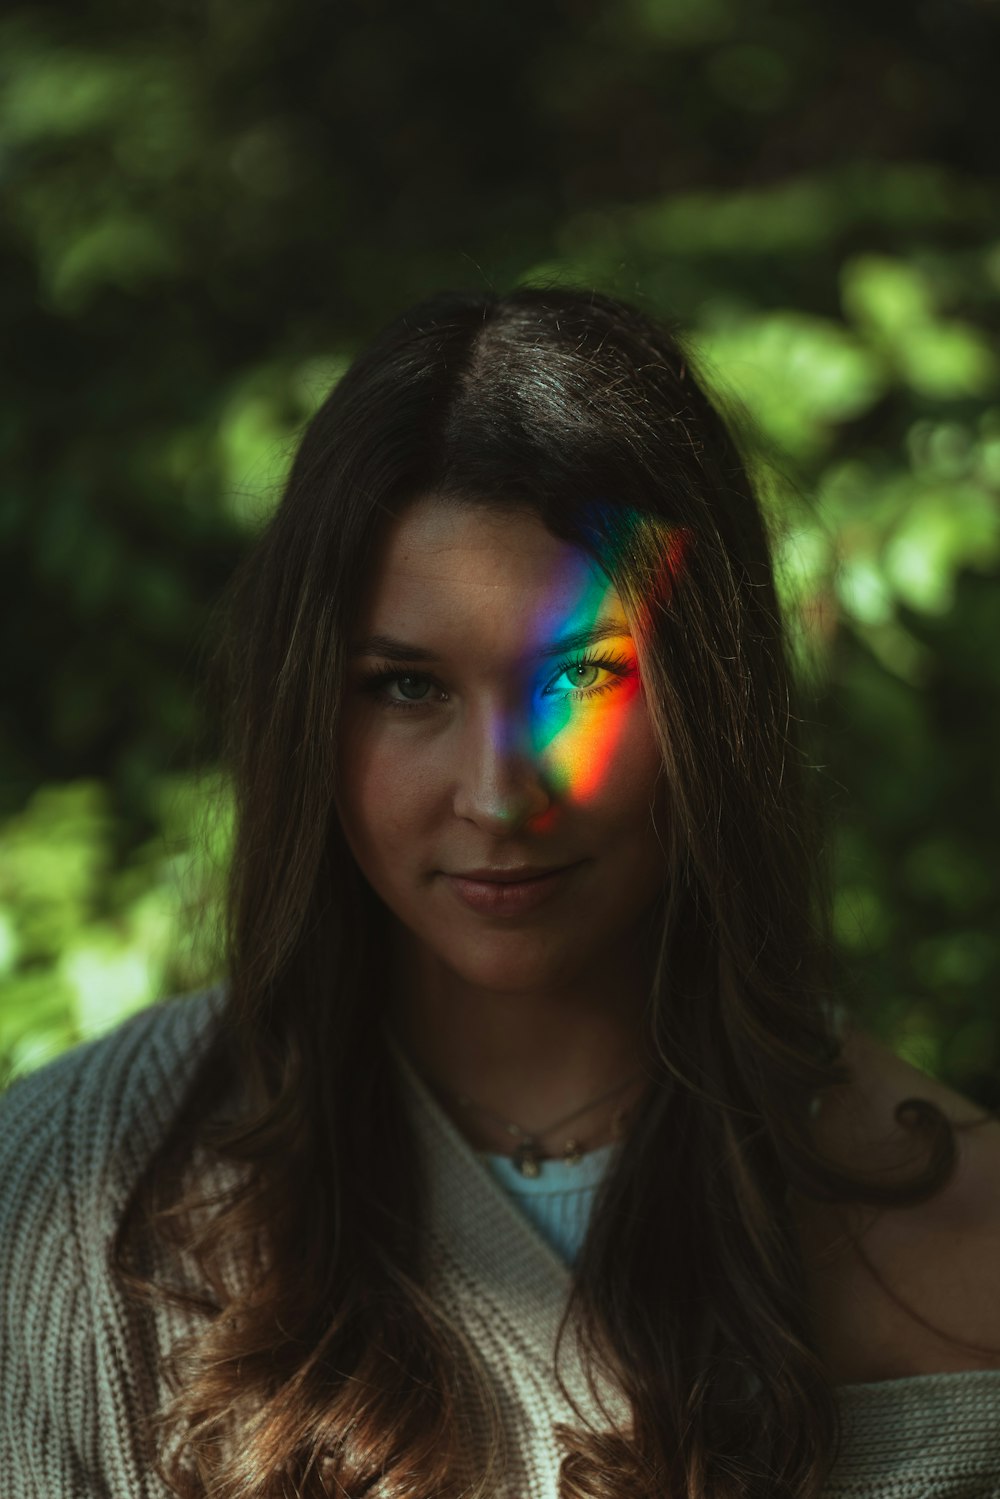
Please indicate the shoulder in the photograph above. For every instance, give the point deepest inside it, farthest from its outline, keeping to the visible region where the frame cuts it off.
(76, 1131)
(74, 1135)
(940, 1257)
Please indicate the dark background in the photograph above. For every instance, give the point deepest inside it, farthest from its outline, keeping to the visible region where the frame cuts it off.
(206, 208)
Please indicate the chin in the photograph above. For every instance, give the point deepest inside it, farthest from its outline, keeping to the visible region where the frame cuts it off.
(514, 971)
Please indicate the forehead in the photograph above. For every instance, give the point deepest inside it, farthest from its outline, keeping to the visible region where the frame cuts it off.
(454, 568)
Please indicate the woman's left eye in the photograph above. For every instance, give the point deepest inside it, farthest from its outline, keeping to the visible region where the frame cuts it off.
(581, 688)
(619, 668)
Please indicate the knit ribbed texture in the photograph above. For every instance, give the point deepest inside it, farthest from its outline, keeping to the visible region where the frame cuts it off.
(559, 1199)
(79, 1366)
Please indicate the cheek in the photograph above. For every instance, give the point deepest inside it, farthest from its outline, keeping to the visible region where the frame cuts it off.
(624, 780)
(384, 800)
(606, 769)
(597, 754)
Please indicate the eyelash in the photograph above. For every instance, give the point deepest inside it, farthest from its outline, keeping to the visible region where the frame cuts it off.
(378, 679)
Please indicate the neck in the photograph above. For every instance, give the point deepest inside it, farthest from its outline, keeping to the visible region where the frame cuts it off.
(529, 1057)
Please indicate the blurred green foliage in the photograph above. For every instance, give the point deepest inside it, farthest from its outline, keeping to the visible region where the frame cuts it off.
(208, 208)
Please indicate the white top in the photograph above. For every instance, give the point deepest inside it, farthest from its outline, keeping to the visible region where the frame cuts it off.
(79, 1365)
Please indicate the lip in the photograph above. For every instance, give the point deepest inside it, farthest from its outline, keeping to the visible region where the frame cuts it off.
(506, 897)
(517, 874)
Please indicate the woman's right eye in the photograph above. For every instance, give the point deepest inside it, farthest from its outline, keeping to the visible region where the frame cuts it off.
(376, 683)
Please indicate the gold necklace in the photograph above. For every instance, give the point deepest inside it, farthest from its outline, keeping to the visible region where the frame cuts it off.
(528, 1155)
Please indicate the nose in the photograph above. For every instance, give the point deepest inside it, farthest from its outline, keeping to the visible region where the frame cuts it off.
(499, 782)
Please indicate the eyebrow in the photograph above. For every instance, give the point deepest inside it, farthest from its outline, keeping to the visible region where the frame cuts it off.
(401, 650)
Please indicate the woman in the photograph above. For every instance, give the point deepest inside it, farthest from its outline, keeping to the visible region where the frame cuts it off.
(524, 1150)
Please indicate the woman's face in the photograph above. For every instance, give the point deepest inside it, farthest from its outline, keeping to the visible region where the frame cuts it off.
(488, 745)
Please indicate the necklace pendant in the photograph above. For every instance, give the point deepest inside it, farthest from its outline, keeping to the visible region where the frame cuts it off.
(572, 1154)
(526, 1158)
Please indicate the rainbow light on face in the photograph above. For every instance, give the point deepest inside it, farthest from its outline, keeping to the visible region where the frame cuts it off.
(577, 740)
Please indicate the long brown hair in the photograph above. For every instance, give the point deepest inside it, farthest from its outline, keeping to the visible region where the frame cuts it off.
(330, 1369)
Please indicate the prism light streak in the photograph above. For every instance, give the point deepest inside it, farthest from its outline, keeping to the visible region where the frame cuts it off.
(577, 740)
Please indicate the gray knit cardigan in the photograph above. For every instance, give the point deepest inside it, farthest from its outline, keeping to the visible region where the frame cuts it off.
(79, 1365)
